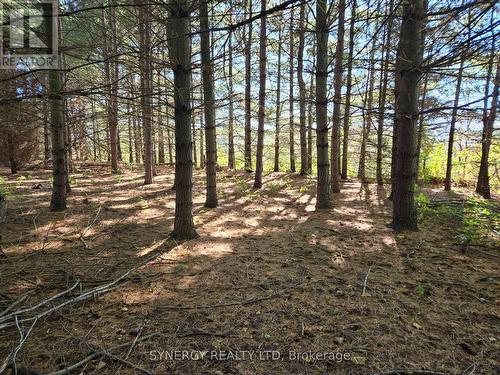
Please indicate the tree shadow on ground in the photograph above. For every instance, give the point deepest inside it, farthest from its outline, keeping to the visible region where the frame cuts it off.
(268, 272)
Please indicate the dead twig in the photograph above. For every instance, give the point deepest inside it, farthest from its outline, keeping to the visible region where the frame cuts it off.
(366, 280)
(100, 353)
(134, 342)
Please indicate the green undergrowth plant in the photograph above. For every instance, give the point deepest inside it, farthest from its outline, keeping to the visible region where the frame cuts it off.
(7, 190)
(478, 218)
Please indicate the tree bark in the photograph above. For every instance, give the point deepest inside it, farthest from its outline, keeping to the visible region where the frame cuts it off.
(111, 67)
(278, 110)
(12, 148)
(302, 92)
(59, 171)
(193, 129)
(248, 98)
(451, 136)
(180, 56)
(421, 121)
(483, 182)
(262, 98)
(309, 125)
(46, 133)
(337, 86)
(347, 108)
(146, 89)
(323, 194)
(367, 112)
(208, 105)
(408, 73)
(291, 99)
(383, 94)
(169, 137)
(230, 131)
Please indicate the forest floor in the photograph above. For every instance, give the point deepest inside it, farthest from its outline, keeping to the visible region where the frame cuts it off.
(267, 273)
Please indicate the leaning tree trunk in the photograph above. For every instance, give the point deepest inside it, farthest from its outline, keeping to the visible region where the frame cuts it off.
(146, 89)
(262, 99)
(408, 74)
(302, 92)
(291, 125)
(248, 98)
(278, 111)
(323, 196)
(180, 56)
(337, 86)
(208, 106)
(347, 108)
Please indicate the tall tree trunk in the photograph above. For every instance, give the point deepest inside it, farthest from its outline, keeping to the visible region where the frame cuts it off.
(66, 128)
(309, 125)
(408, 73)
(230, 131)
(146, 89)
(337, 86)
(262, 98)
(59, 171)
(383, 93)
(193, 128)
(161, 117)
(169, 136)
(208, 105)
(421, 121)
(483, 181)
(451, 136)
(302, 92)
(278, 110)
(135, 123)
(111, 132)
(130, 122)
(130, 140)
(291, 124)
(179, 44)
(46, 133)
(248, 98)
(485, 143)
(367, 112)
(95, 132)
(113, 66)
(202, 138)
(12, 148)
(347, 108)
(323, 195)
